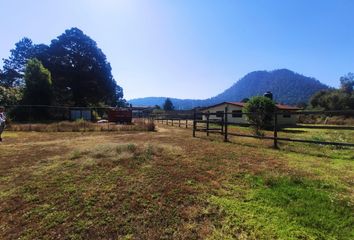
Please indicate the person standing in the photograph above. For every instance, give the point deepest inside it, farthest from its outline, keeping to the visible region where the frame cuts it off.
(2, 121)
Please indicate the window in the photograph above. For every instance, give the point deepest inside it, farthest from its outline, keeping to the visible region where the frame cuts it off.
(286, 115)
(237, 113)
(219, 114)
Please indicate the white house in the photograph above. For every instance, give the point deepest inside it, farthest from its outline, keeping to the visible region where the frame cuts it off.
(237, 117)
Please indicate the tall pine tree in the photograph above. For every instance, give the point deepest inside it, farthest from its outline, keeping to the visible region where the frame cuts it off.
(81, 72)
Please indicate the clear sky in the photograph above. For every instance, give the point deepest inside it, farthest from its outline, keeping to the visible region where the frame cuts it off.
(195, 48)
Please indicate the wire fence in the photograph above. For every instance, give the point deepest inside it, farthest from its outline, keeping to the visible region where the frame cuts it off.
(45, 113)
(65, 118)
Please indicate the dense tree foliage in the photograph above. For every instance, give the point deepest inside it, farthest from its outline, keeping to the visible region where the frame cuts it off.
(10, 96)
(81, 71)
(14, 66)
(260, 111)
(81, 74)
(38, 90)
(332, 100)
(347, 83)
(336, 99)
(168, 105)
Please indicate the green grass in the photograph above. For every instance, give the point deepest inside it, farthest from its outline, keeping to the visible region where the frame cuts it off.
(312, 198)
(331, 135)
(284, 208)
(168, 185)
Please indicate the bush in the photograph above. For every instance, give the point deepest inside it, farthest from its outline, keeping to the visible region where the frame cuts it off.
(260, 112)
(144, 126)
(150, 126)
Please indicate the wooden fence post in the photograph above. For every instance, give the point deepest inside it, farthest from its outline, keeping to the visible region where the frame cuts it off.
(179, 122)
(222, 124)
(30, 118)
(275, 129)
(194, 123)
(225, 126)
(207, 123)
(186, 123)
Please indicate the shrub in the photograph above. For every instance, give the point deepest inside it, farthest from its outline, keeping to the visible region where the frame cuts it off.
(143, 125)
(260, 112)
(150, 126)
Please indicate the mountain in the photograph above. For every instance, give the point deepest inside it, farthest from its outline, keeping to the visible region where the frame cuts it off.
(178, 103)
(287, 87)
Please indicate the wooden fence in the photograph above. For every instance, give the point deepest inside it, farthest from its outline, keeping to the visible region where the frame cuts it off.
(183, 123)
(221, 126)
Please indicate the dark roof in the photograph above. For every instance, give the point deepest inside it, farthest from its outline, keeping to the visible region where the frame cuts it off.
(242, 104)
(239, 104)
(141, 107)
(286, 107)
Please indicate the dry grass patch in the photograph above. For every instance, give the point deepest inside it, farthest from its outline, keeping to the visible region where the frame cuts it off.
(109, 190)
(168, 185)
(81, 126)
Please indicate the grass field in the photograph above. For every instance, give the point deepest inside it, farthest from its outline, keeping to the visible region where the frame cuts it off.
(168, 185)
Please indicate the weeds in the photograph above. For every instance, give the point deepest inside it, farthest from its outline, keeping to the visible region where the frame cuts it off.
(81, 126)
(285, 208)
(75, 155)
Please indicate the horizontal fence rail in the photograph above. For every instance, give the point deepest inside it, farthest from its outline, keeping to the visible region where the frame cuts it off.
(198, 121)
(221, 125)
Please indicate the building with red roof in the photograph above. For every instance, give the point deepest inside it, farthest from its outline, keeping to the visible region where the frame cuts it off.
(236, 116)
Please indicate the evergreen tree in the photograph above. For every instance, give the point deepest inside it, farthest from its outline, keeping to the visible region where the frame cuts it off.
(81, 73)
(14, 66)
(168, 105)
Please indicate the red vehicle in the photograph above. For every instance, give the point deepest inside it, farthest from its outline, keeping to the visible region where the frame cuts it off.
(120, 115)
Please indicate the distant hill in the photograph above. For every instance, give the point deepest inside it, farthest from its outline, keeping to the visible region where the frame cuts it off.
(287, 87)
(178, 103)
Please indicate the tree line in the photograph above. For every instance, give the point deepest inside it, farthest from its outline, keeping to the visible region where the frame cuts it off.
(70, 71)
(335, 99)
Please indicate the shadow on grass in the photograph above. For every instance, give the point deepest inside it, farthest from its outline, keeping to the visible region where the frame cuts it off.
(292, 131)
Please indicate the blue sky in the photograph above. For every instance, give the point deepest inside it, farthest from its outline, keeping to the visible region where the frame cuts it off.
(195, 49)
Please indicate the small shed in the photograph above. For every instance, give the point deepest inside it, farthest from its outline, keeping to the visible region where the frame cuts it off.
(120, 115)
(80, 113)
